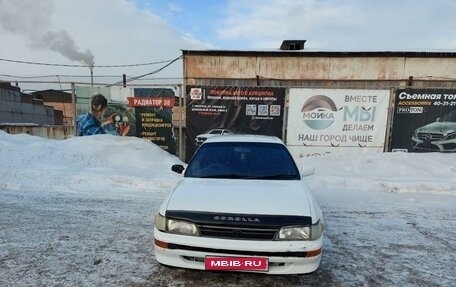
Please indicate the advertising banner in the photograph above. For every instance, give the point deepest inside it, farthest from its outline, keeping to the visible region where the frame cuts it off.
(153, 113)
(226, 110)
(116, 97)
(324, 121)
(424, 120)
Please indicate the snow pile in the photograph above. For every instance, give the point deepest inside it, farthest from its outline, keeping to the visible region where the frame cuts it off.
(88, 164)
(392, 172)
(104, 162)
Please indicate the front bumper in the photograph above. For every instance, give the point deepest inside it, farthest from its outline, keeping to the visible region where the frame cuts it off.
(427, 145)
(284, 257)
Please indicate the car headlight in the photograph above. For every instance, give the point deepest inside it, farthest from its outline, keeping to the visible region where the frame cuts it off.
(181, 227)
(175, 226)
(312, 232)
(451, 136)
(293, 233)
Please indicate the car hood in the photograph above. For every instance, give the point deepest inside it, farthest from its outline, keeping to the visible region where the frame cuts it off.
(438, 127)
(273, 197)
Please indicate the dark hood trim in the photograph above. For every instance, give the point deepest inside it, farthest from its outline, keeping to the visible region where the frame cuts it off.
(239, 220)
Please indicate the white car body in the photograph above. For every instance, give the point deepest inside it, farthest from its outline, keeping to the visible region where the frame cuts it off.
(241, 205)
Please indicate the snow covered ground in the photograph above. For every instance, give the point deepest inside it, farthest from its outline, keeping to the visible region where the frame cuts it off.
(79, 212)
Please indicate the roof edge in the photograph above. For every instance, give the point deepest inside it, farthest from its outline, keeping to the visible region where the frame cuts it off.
(309, 53)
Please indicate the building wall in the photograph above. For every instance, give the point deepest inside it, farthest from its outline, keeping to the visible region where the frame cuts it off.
(20, 108)
(66, 108)
(60, 101)
(327, 71)
(10, 106)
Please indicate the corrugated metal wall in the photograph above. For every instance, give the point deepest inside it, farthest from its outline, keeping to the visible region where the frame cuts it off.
(319, 72)
(16, 108)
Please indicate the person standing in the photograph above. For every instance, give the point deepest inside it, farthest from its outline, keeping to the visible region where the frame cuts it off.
(90, 123)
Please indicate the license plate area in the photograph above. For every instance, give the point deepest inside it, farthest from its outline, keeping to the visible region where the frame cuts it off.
(228, 263)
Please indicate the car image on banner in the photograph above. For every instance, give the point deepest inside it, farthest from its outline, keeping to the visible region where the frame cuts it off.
(226, 213)
(214, 132)
(437, 136)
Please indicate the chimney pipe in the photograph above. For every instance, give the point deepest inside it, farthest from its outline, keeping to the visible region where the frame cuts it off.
(292, 45)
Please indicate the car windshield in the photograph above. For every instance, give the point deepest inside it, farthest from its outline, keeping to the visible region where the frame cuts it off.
(236, 160)
(450, 117)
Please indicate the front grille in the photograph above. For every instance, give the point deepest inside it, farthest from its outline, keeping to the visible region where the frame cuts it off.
(430, 136)
(241, 233)
(428, 147)
(193, 258)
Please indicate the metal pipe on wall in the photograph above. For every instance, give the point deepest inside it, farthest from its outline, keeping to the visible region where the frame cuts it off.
(73, 101)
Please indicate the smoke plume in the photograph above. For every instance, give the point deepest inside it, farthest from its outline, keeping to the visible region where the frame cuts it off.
(31, 19)
(60, 41)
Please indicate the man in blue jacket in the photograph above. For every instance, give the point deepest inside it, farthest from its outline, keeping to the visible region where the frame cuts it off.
(90, 124)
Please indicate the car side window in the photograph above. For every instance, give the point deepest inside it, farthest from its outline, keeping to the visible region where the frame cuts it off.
(450, 117)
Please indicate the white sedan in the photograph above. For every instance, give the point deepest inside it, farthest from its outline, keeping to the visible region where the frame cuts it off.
(241, 206)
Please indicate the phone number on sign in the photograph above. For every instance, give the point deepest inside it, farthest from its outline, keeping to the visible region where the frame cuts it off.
(445, 104)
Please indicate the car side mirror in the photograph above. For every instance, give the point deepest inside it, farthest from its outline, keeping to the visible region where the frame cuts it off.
(306, 170)
(178, 168)
(437, 120)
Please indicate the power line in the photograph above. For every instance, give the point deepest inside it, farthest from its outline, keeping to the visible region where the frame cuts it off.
(63, 76)
(85, 66)
(151, 73)
(84, 76)
(28, 80)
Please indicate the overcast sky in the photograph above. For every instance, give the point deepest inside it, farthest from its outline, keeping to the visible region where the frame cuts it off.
(119, 32)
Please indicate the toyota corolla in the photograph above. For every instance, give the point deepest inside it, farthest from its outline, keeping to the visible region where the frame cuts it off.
(241, 206)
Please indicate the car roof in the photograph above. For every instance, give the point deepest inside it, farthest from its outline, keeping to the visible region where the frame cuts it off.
(244, 138)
